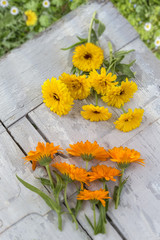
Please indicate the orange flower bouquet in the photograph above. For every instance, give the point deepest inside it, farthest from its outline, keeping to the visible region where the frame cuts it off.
(63, 174)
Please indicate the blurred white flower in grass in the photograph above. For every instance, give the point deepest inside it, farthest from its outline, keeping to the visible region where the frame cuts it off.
(147, 26)
(14, 11)
(46, 3)
(157, 42)
(4, 3)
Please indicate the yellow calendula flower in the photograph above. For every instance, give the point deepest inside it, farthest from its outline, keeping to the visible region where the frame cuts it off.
(88, 57)
(116, 96)
(99, 195)
(95, 113)
(78, 86)
(102, 82)
(125, 156)
(31, 18)
(56, 96)
(130, 120)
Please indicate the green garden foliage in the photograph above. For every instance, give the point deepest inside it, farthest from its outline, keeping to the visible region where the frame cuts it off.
(13, 29)
(140, 12)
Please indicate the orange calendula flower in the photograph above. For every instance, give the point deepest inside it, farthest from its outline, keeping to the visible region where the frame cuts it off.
(88, 151)
(73, 172)
(125, 156)
(99, 195)
(104, 173)
(43, 153)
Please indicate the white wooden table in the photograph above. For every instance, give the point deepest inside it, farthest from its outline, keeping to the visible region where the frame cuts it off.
(25, 120)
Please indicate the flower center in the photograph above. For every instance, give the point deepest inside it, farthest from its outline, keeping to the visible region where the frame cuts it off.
(96, 112)
(55, 96)
(76, 84)
(87, 56)
(121, 92)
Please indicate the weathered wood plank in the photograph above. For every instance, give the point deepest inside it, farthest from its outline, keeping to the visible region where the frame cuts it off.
(24, 70)
(1, 128)
(20, 208)
(138, 214)
(26, 135)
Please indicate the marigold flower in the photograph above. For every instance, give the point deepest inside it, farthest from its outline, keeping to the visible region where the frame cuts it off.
(95, 113)
(56, 96)
(88, 151)
(129, 121)
(73, 172)
(125, 156)
(41, 152)
(78, 86)
(31, 18)
(102, 82)
(104, 173)
(118, 95)
(99, 195)
(88, 57)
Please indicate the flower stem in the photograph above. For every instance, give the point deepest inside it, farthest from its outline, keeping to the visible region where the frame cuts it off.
(68, 207)
(50, 176)
(59, 221)
(119, 190)
(87, 165)
(123, 109)
(96, 97)
(90, 28)
(94, 215)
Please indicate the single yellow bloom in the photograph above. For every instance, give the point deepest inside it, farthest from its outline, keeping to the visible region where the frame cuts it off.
(102, 82)
(78, 86)
(41, 151)
(95, 113)
(116, 96)
(104, 173)
(130, 120)
(31, 18)
(73, 172)
(56, 96)
(99, 195)
(88, 151)
(88, 57)
(124, 156)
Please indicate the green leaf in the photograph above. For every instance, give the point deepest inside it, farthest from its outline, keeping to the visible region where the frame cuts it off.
(45, 197)
(115, 193)
(89, 221)
(101, 27)
(78, 207)
(82, 39)
(44, 20)
(125, 70)
(59, 185)
(94, 38)
(44, 181)
(74, 69)
(74, 45)
(121, 78)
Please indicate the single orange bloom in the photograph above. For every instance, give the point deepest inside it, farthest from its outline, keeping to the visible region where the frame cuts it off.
(125, 156)
(41, 151)
(104, 173)
(88, 151)
(99, 195)
(74, 173)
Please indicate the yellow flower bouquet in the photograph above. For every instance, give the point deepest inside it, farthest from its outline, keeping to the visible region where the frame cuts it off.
(94, 74)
